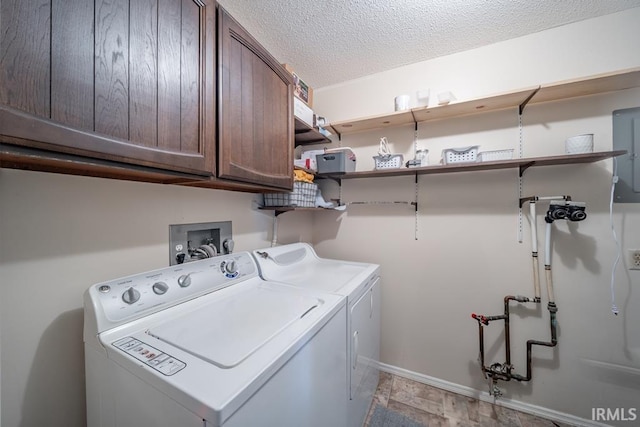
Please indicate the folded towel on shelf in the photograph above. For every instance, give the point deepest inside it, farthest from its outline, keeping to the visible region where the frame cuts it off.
(300, 175)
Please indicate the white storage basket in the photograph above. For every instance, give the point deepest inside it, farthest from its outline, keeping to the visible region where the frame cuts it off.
(460, 155)
(579, 144)
(388, 161)
(302, 196)
(385, 159)
(491, 156)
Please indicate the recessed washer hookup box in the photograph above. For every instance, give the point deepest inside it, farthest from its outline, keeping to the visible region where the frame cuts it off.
(336, 161)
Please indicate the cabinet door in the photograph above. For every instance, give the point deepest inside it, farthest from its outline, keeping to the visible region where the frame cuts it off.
(125, 80)
(256, 117)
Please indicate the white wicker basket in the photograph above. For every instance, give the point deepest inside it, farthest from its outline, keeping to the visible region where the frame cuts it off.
(579, 144)
(302, 196)
(388, 161)
(385, 158)
(460, 155)
(491, 156)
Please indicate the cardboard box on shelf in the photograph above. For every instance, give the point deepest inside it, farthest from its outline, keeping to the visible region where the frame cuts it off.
(303, 112)
(301, 90)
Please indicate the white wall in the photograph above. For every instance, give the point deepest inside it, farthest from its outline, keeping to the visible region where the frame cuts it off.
(581, 49)
(466, 257)
(61, 234)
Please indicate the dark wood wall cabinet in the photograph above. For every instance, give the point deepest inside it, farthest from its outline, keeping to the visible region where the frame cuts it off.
(131, 85)
(256, 110)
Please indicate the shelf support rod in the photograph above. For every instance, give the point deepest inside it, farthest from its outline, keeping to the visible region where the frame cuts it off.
(520, 169)
(415, 203)
(376, 202)
(415, 150)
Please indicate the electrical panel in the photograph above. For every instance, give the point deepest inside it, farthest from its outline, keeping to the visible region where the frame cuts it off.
(626, 136)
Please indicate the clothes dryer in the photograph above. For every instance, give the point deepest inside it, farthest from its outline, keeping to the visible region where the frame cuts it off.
(299, 265)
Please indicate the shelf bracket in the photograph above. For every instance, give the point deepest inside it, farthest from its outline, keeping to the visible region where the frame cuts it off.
(415, 122)
(524, 200)
(526, 101)
(523, 167)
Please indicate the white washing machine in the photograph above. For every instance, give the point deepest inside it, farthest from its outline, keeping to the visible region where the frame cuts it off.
(209, 343)
(299, 265)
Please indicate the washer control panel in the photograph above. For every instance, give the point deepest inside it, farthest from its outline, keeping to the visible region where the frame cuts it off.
(156, 290)
(150, 356)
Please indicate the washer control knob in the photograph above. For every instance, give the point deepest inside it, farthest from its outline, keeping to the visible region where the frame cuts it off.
(184, 280)
(230, 267)
(160, 288)
(130, 296)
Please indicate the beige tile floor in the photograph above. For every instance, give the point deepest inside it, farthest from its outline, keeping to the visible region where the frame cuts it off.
(435, 407)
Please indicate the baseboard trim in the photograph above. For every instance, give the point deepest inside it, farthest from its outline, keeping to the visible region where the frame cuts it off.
(486, 397)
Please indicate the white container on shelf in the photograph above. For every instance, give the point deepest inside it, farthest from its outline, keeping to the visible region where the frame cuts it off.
(445, 97)
(491, 156)
(579, 144)
(422, 155)
(423, 96)
(302, 111)
(460, 155)
(402, 102)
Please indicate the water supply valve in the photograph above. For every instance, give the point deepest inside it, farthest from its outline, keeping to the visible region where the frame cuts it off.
(480, 318)
(571, 211)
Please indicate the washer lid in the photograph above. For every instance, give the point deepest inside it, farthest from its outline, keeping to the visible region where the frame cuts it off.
(229, 330)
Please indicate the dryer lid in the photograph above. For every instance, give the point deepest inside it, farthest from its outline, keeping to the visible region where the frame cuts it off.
(324, 275)
(228, 331)
(299, 264)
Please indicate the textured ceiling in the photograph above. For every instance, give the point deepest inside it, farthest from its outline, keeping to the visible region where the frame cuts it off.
(331, 41)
